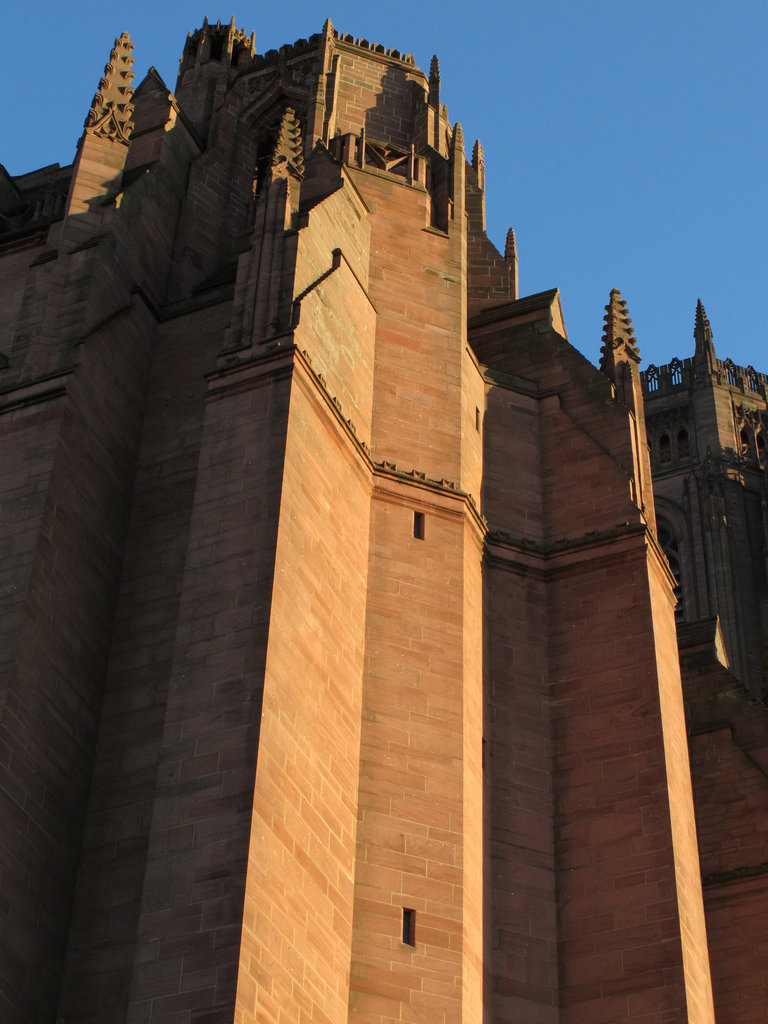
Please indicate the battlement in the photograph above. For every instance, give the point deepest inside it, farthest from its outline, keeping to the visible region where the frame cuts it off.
(226, 44)
(301, 45)
(363, 44)
(678, 375)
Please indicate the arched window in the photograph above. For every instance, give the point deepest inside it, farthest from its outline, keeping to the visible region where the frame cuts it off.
(665, 449)
(676, 372)
(683, 445)
(730, 372)
(652, 378)
(671, 549)
(752, 379)
(761, 446)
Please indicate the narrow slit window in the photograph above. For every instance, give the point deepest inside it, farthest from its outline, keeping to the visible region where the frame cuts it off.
(409, 927)
(477, 418)
(418, 525)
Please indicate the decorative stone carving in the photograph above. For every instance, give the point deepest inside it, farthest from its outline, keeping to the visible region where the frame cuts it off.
(618, 333)
(110, 116)
(288, 153)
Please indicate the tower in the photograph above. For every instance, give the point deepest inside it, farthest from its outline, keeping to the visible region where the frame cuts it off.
(706, 419)
(341, 680)
(706, 425)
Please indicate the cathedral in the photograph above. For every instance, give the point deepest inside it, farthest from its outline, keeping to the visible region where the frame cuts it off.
(368, 655)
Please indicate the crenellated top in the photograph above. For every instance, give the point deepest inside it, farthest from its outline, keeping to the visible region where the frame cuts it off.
(195, 50)
(363, 44)
(679, 375)
(111, 113)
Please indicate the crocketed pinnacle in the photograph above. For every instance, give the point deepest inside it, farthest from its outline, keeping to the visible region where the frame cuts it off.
(702, 332)
(434, 68)
(111, 112)
(478, 159)
(288, 151)
(704, 358)
(510, 247)
(457, 143)
(618, 333)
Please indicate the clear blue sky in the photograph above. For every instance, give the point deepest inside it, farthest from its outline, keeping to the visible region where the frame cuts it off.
(625, 141)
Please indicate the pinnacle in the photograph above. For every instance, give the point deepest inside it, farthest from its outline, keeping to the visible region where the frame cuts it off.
(327, 27)
(477, 155)
(702, 333)
(702, 328)
(618, 331)
(458, 137)
(434, 67)
(510, 248)
(111, 108)
(288, 145)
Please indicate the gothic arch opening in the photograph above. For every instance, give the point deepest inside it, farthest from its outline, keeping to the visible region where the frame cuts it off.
(671, 548)
(665, 449)
(683, 444)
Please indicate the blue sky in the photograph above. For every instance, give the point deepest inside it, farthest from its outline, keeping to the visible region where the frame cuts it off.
(626, 142)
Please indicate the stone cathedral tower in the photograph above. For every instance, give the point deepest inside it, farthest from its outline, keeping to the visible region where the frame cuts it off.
(338, 672)
(707, 422)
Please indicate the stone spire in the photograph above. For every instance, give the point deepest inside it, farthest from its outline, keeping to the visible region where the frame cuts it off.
(457, 142)
(619, 362)
(287, 155)
(510, 255)
(619, 342)
(110, 116)
(478, 164)
(704, 353)
(434, 83)
(434, 129)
